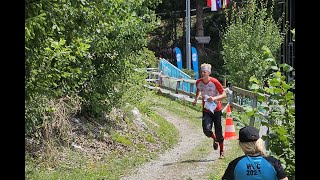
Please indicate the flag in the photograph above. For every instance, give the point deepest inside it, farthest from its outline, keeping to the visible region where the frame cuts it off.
(213, 5)
(209, 3)
(219, 5)
(195, 61)
(179, 58)
(226, 3)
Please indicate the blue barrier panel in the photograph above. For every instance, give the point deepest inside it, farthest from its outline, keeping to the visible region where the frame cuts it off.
(172, 71)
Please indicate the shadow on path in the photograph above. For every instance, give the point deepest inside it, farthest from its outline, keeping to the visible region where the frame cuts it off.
(189, 161)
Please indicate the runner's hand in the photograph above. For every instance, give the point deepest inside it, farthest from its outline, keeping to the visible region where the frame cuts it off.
(211, 99)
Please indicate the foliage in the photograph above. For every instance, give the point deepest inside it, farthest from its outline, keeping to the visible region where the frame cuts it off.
(277, 99)
(84, 48)
(73, 164)
(214, 26)
(35, 108)
(250, 28)
(117, 137)
(189, 72)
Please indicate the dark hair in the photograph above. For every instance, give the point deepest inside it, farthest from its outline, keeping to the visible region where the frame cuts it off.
(229, 84)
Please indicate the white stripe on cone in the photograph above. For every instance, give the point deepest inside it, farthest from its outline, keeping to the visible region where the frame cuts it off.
(230, 128)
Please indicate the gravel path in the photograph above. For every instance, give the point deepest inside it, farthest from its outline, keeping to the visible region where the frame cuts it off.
(170, 166)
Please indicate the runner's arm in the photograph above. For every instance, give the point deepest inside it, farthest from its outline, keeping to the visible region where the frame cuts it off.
(196, 97)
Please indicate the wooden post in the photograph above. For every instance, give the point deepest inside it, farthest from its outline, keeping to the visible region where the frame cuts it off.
(185, 109)
(254, 105)
(184, 98)
(177, 87)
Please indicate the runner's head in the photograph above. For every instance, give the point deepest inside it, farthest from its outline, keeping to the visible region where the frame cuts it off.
(250, 141)
(205, 69)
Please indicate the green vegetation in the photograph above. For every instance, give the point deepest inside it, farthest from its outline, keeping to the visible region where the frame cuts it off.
(80, 63)
(121, 139)
(251, 53)
(190, 73)
(281, 111)
(193, 114)
(84, 50)
(250, 27)
(277, 99)
(219, 167)
(126, 155)
(82, 83)
(119, 162)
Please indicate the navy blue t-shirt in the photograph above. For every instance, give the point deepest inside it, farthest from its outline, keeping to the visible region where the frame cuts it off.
(254, 167)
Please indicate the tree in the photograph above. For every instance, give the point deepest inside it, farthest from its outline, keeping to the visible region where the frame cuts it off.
(87, 49)
(199, 23)
(251, 26)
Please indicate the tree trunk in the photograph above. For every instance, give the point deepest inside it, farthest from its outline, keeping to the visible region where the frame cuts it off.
(199, 25)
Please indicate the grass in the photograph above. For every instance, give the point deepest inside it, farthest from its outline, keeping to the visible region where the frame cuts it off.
(193, 115)
(111, 169)
(182, 109)
(218, 168)
(119, 163)
(113, 166)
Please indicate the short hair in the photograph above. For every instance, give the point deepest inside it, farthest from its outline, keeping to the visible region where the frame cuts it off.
(205, 65)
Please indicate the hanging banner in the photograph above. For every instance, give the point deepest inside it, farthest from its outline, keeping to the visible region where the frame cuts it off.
(178, 57)
(195, 61)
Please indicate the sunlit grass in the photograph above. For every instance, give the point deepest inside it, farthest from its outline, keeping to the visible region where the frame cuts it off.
(112, 166)
(218, 168)
(193, 114)
(120, 163)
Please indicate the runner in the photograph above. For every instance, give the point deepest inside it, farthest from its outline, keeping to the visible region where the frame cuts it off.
(255, 164)
(212, 92)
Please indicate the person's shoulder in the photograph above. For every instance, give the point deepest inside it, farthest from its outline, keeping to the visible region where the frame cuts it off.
(271, 159)
(198, 80)
(275, 162)
(215, 80)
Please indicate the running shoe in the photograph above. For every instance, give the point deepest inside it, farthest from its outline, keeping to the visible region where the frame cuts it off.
(221, 155)
(215, 145)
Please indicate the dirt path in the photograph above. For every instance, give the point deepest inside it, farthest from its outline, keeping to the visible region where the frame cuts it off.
(175, 163)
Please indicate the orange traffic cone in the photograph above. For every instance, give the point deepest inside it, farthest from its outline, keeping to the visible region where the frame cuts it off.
(228, 111)
(230, 131)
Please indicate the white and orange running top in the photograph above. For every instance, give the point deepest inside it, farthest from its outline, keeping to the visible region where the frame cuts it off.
(212, 88)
